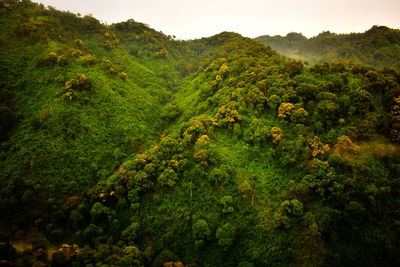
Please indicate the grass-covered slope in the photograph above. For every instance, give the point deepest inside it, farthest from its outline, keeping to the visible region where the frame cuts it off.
(133, 149)
(74, 103)
(378, 47)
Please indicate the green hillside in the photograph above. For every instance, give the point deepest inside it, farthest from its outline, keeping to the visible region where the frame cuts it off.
(378, 47)
(121, 146)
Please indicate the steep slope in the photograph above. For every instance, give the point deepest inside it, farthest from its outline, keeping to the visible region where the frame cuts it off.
(378, 47)
(77, 98)
(269, 164)
(75, 103)
(211, 152)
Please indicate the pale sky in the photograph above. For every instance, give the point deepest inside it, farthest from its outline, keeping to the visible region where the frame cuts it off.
(190, 19)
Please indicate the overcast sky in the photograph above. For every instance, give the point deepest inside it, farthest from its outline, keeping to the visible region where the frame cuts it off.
(189, 19)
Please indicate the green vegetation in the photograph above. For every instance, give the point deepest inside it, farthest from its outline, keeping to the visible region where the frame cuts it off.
(377, 47)
(121, 146)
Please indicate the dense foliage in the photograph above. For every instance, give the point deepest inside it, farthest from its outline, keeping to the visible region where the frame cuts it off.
(121, 146)
(377, 47)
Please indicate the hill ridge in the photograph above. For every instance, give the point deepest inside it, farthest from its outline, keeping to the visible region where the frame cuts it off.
(377, 47)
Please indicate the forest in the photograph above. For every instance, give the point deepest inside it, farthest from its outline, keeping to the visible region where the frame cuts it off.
(122, 146)
(378, 47)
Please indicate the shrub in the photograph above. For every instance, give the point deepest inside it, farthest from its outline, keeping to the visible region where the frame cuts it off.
(89, 59)
(81, 82)
(224, 68)
(395, 113)
(111, 68)
(227, 202)
(162, 53)
(97, 209)
(131, 232)
(52, 59)
(171, 111)
(201, 230)
(277, 134)
(109, 35)
(76, 52)
(66, 255)
(202, 157)
(107, 45)
(346, 146)
(227, 114)
(299, 115)
(317, 147)
(62, 60)
(165, 256)
(274, 101)
(226, 235)
(123, 75)
(69, 95)
(293, 207)
(168, 177)
(79, 42)
(285, 110)
(219, 175)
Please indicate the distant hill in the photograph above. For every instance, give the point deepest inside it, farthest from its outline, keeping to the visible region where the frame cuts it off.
(378, 47)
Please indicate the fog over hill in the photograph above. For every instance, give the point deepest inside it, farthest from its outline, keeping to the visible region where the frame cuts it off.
(378, 47)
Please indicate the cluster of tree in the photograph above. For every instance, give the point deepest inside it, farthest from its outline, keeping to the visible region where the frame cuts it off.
(377, 47)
